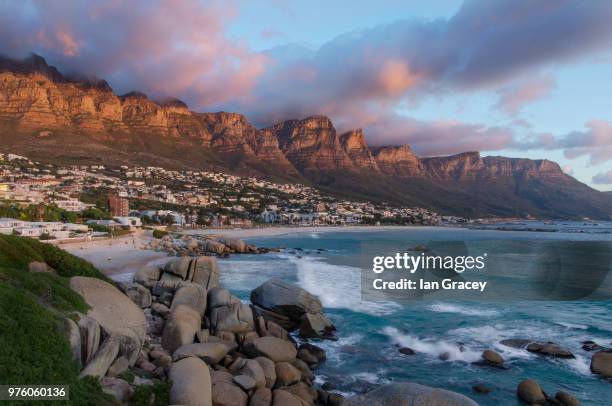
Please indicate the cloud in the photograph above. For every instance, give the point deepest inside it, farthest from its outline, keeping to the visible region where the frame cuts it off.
(603, 178)
(181, 49)
(514, 96)
(164, 48)
(594, 142)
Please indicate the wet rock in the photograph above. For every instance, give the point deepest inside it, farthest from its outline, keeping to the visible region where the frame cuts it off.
(516, 342)
(530, 392)
(591, 346)
(480, 388)
(407, 351)
(601, 364)
(550, 349)
(492, 359)
(313, 351)
(191, 383)
(566, 399)
(406, 393)
(316, 325)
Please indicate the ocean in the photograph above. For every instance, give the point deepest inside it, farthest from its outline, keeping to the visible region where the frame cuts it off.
(447, 335)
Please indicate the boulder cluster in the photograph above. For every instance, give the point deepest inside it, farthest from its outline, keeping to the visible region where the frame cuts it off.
(215, 349)
(203, 245)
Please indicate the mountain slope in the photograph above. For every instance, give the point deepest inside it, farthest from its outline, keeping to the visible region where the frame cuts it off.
(50, 117)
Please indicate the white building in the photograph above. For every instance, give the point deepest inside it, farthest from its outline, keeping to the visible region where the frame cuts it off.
(129, 221)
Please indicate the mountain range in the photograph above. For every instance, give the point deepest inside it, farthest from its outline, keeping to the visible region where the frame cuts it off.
(52, 117)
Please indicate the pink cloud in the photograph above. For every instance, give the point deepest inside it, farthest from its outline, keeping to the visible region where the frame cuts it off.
(513, 97)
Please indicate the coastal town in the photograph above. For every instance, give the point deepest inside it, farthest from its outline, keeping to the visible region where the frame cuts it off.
(48, 201)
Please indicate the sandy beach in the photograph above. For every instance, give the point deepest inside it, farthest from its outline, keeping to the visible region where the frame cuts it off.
(120, 257)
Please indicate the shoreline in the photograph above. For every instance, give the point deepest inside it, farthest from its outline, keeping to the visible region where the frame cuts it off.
(118, 258)
(287, 230)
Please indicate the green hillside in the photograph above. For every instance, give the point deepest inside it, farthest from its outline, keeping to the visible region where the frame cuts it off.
(33, 307)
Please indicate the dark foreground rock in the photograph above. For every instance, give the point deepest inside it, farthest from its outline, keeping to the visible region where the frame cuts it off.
(406, 393)
(601, 364)
(529, 391)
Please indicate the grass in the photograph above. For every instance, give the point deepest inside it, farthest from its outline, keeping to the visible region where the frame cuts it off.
(33, 308)
(157, 394)
(159, 233)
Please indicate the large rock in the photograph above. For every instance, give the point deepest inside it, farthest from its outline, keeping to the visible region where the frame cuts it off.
(90, 338)
(236, 318)
(406, 393)
(307, 394)
(178, 267)
(113, 310)
(316, 325)
(269, 369)
(273, 348)
(286, 299)
(192, 295)
(287, 374)
(73, 334)
(566, 399)
(235, 244)
(283, 398)
(214, 247)
(147, 276)
(530, 392)
(211, 353)
(191, 384)
(261, 397)
(181, 328)
(253, 369)
(139, 294)
(601, 364)
(219, 297)
(206, 272)
(550, 349)
(228, 394)
(103, 359)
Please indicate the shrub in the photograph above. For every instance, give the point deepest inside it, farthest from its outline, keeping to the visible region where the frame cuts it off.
(159, 233)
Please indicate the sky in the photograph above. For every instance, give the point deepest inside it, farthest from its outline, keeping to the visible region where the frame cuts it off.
(505, 77)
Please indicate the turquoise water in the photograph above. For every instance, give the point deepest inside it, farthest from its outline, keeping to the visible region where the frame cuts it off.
(366, 353)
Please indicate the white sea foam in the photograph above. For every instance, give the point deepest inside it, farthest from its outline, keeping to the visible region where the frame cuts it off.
(338, 286)
(572, 325)
(465, 310)
(436, 348)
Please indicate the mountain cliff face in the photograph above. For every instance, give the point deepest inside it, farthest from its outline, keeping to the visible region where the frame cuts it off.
(48, 116)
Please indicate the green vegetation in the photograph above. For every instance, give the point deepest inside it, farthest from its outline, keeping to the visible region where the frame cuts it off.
(159, 233)
(157, 394)
(33, 310)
